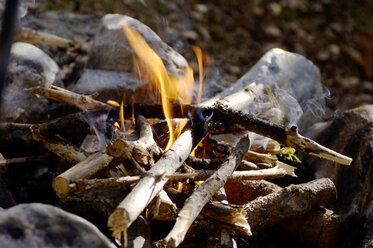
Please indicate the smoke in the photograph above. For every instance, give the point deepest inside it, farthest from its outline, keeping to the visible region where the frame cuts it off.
(97, 121)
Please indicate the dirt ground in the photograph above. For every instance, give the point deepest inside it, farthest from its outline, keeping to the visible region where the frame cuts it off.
(336, 35)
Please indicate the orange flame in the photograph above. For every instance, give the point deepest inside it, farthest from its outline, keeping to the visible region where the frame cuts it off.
(171, 88)
(201, 57)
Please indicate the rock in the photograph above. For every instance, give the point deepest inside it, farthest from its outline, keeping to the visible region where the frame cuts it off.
(96, 205)
(62, 23)
(110, 63)
(294, 80)
(351, 134)
(41, 225)
(6, 198)
(28, 67)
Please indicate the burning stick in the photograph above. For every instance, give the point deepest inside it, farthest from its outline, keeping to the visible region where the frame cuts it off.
(37, 37)
(58, 94)
(222, 114)
(268, 210)
(204, 193)
(286, 136)
(84, 169)
(150, 185)
(59, 146)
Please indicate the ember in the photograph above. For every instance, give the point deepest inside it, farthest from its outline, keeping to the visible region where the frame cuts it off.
(189, 163)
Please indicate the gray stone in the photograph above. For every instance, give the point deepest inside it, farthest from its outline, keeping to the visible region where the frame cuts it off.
(28, 67)
(96, 205)
(110, 63)
(61, 23)
(6, 198)
(294, 80)
(40, 225)
(350, 133)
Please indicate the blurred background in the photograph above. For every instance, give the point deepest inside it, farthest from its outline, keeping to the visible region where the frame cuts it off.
(336, 35)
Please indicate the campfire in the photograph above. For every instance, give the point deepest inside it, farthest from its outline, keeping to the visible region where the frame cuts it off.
(181, 159)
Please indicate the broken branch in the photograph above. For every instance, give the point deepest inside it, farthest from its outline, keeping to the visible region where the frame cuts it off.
(204, 193)
(83, 102)
(84, 169)
(37, 37)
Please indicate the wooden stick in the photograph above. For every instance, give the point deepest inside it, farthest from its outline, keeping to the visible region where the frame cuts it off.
(59, 146)
(10, 161)
(201, 175)
(204, 193)
(150, 185)
(80, 185)
(11, 126)
(83, 102)
(84, 169)
(38, 37)
(268, 210)
(214, 163)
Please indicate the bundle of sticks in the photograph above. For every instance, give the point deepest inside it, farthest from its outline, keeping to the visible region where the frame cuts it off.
(158, 177)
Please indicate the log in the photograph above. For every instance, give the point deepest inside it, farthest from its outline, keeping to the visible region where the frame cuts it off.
(293, 200)
(317, 228)
(242, 191)
(204, 193)
(152, 183)
(84, 169)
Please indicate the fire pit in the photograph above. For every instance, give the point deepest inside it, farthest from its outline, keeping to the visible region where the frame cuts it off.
(153, 159)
